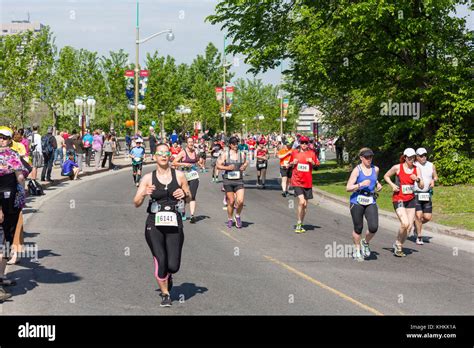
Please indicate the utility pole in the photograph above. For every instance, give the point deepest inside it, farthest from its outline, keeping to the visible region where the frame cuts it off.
(224, 90)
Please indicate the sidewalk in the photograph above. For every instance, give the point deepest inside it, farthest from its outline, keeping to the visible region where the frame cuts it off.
(430, 226)
(120, 161)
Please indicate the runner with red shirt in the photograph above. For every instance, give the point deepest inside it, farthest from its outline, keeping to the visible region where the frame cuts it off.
(251, 143)
(403, 198)
(303, 160)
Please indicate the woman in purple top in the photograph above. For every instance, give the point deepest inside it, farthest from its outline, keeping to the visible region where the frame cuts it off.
(97, 145)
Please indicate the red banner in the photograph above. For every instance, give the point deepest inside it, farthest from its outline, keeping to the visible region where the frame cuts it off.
(144, 73)
(219, 93)
(129, 73)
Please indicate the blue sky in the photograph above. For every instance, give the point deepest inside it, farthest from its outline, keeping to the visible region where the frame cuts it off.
(108, 25)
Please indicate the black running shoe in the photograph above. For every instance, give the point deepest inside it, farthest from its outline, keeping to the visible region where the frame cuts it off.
(192, 220)
(165, 300)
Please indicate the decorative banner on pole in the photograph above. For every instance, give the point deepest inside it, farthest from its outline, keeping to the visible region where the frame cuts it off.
(219, 91)
(229, 91)
(285, 106)
(142, 84)
(130, 85)
(197, 125)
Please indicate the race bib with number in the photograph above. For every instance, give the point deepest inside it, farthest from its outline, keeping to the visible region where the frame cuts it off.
(303, 167)
(425, 197)
(192, 175)
(166, 218)
(215, 154)
(407, 189)
(6, 195)
(365, 200)
(261, 165)
(233, 175)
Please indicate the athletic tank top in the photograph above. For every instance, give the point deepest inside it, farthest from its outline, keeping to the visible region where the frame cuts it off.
(406, 186)
(426, 172)
(368, 191)
(163, 194)
(238, 163)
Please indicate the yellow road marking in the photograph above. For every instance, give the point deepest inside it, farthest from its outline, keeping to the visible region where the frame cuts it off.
(324, 286)
(230, 236)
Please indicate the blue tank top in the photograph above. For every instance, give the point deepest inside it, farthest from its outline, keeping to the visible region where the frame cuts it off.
(368, 190)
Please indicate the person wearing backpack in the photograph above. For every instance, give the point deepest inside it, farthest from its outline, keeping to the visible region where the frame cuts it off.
(48, 145)
(36, 152)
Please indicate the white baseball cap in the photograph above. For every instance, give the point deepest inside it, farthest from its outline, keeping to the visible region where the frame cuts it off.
(139, 140)
(421, 151)
(409, 152)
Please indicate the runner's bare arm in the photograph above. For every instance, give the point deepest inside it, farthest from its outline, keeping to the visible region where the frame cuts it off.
(351, 185)
(379, 185)
(146, 188)
(391, 172)
(220, 163)
(435, 177)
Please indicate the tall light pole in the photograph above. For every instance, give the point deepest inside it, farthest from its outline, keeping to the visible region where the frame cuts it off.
(82, 102)
(169, 37)
(162, 126)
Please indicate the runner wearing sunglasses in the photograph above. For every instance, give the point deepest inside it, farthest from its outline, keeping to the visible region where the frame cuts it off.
(403, 195)
(164, 234)
(303, 159)
(363, 183)
(424, 206)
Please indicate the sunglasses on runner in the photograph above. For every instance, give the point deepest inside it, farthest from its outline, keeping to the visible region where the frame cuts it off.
(368, 157)
(4, 137)
(304, 143)
(163, 153)
(424, 155)
(411, 158)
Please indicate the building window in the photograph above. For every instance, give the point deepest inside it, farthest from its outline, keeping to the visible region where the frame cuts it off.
(5, 30)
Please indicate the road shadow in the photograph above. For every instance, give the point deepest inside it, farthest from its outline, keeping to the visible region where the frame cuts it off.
(201, 217)
(188, 290)
(33, 273)
(373, 256)
(426, 239)
(407, 251)
(30, 234)
(310, 227)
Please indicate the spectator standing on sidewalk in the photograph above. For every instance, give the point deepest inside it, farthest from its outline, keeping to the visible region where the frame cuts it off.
(69, 144)
(109, 151)
(58, 153)
(78, 149)
(48, 145)
(339, 150)
(37, 152)
(12, 200)
(87, 140)
(153, 142)
(97, 145)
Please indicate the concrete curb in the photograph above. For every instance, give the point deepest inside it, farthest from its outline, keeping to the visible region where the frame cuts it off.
(55, 182)
(431, 226)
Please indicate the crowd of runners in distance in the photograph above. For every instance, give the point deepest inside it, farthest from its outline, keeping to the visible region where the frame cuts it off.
(173, 186)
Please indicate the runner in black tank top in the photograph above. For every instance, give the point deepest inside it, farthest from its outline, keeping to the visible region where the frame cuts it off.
(164, 228)
(233, 163)
(189, 165)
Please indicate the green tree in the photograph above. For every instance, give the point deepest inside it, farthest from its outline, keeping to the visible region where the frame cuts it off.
(351, 57)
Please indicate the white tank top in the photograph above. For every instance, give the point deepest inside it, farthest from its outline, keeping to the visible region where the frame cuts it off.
(426, 171)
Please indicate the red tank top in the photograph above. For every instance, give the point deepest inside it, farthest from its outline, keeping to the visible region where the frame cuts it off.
(406, 186)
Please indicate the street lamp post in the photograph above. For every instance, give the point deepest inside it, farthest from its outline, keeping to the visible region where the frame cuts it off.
(183, 110)
(259, 117)
(81, 102)
(162, 126)
(169, 37)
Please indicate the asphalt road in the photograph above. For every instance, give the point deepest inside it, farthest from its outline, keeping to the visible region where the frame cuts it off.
(93, 259)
